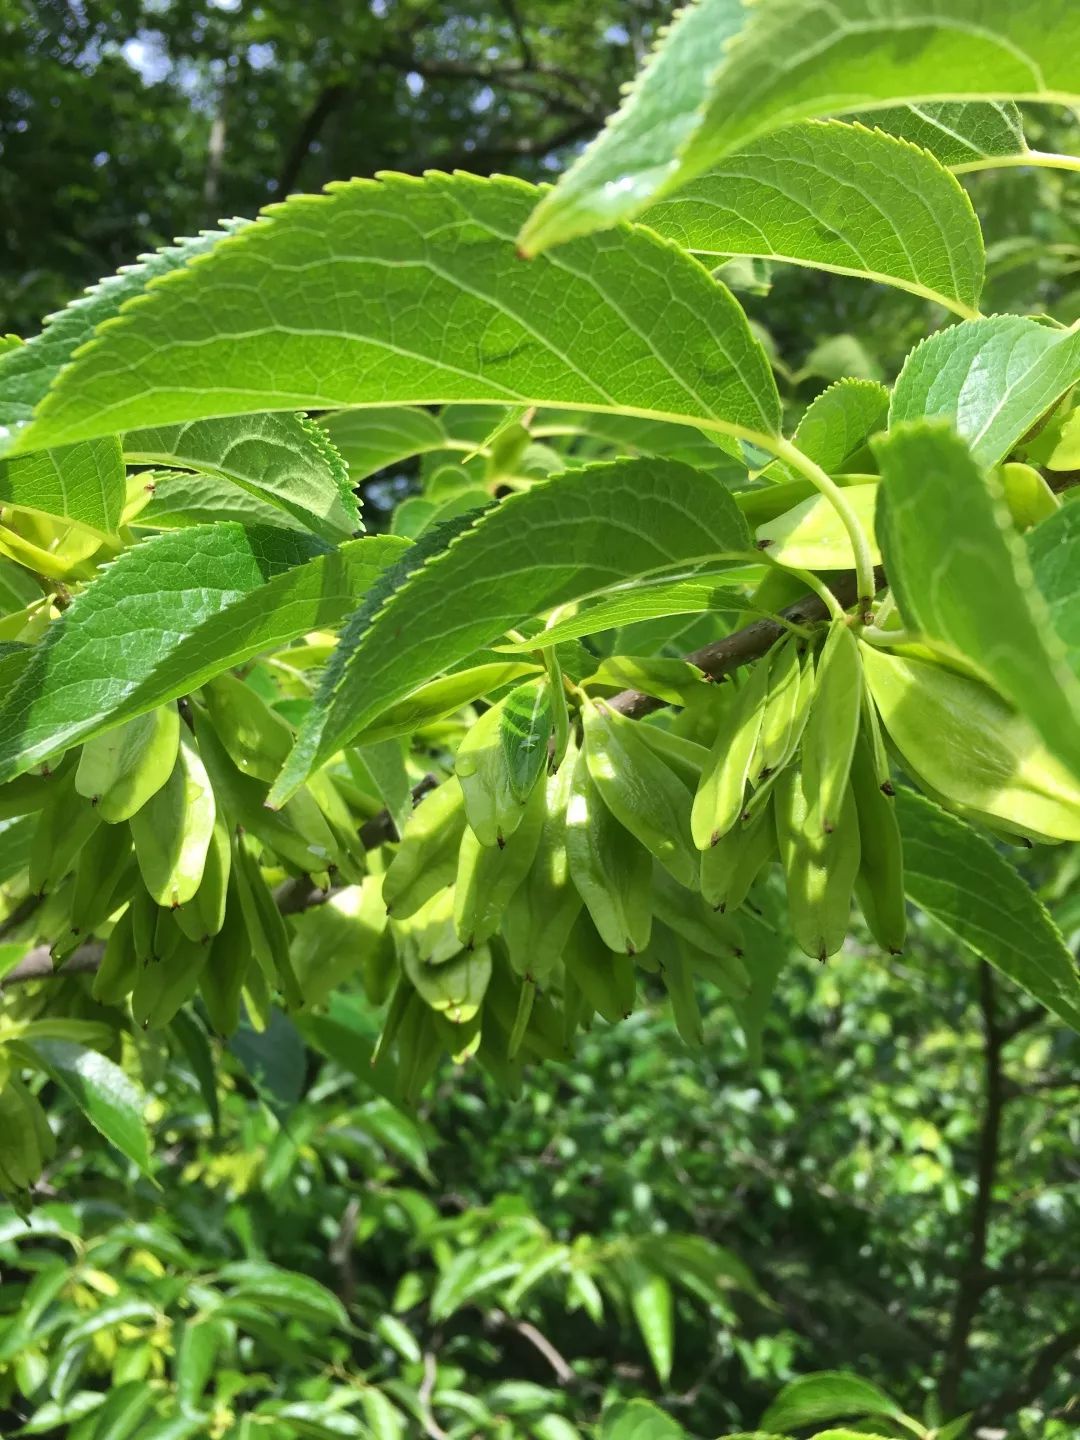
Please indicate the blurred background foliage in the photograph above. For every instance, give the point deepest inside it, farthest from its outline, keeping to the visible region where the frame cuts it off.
(891, 1188)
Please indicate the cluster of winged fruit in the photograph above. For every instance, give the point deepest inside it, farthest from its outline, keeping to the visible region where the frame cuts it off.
(563, 852)
(570, 853)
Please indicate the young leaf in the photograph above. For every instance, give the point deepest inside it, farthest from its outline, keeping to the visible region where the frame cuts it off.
(836, 197)
(109, 1099)
(390, 311)
(27, 371)
(992, 379)
(166, 616)
(78, 482)
(286, 458)
(573, 535)
(837, 425)
(726, 73)
(961, 577)
(828, 1395)
(834, 431)
(957, 876)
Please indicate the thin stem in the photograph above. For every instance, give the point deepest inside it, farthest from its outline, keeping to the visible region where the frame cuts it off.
(827, 486)
(814, 583)
(875, 635)
(1036, 159)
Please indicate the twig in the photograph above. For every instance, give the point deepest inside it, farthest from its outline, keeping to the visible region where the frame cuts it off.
(37, 964)
(740, 647)
(23, 910)
(1042, 1369)
(327, 101)
(520, 33)
(423, 1398)
(970, 1289)
(563, 1373)
(341, 1248)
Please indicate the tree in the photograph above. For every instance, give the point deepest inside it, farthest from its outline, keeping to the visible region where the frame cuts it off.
(499, 797)
(129, 124)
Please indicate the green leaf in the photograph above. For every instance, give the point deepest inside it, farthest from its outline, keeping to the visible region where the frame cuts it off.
(273, 1057)
(16, 834)
(385, 763)
(392, 311)
(398, 1335)
(372, 439)
(124, 1410)
(991, 379)
(398, 1132)
(109, 1099)
(727, 73)
(702, 1267)
(766, 956)
(313, 1420)
(341, 1035)
(957, 876)
(17, 590)
(201, 1340)
(843, 1433)
(23, 1328)
(654, 1310)
(166, 616)
(56, 1415)
(27, 371)
(195, 1044)
(962, 134)
(837, 425)
(633, 601)
(466, 1278)
(176, 1427)
(181, 499)
(286, 1291)
(640, 435)
(639, 1420)
(445, 696)
(841, 198)
(385, 1421)
(570, 536)
(811, 535)
(1054, 553)
(285, 458)
(78, 482)
(676, 681)
(961, 577)
(828, 1395)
